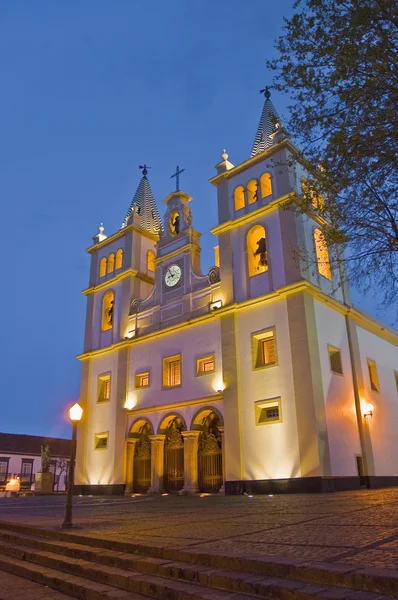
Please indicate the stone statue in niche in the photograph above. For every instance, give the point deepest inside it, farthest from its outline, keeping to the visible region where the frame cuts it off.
(255, 194)
(109, 312)
(45, 459)
(176, 225)
(261, 252)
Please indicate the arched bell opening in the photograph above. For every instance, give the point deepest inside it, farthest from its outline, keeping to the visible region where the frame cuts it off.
(142, 459)
(210, 453)
(174, 455)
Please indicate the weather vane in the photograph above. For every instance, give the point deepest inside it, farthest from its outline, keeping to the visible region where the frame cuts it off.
(144, 168)
(177, 176)
(266, 92)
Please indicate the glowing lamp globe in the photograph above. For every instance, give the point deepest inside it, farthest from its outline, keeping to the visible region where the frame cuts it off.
(75, 412)
(370, 407)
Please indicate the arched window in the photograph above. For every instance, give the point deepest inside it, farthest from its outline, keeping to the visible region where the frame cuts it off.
(239, 197)
(266, 185)
(322, 254)
(150, 261)
(119, 259)
(309, 193)
(257, 259)
(111, 263)
(107, 311)
(252, 191)
(102, 268)
(174, 223)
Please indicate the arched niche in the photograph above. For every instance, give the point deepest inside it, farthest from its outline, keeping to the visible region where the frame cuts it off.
(174, 222)
(107, 310)
(138, 426)
(265, 185)
(257, 255)
(119, 259)
(322, 254)
(172, 418)
(252, 193)
(111, 263)
(202, 414)
(102, 267)
(239, 197)
(150, 261)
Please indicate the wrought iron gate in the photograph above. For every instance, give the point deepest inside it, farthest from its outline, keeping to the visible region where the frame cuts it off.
(174, 459)
(210, 463)
(142, 462)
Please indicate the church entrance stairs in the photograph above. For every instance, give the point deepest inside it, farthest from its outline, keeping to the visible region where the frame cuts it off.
(86, 567)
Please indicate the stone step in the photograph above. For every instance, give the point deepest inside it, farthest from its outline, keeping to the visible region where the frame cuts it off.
(116, 578)
(242, 582)
(70, 585)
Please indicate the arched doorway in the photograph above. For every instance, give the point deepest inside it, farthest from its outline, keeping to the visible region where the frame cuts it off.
(210, 454)
(142, 460)
(174, 456)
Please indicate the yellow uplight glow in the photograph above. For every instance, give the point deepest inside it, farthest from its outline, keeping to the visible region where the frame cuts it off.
(370, 409)
(75, 412)
(218, 385)
(131, 401)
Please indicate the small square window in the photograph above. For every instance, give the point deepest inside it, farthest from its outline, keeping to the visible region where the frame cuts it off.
(264, 349)
(374, 380)
(104, 388)
(335, 360)
(142, 380)
(268, 411)
(172, 371)
(101, 441)
(205, 365)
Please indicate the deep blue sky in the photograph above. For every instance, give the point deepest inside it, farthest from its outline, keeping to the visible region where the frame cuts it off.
(90, 90)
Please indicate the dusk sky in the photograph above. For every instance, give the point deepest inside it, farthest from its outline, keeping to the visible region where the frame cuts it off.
(90, 90)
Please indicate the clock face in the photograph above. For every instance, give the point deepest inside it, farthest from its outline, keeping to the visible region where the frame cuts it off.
(173, 275)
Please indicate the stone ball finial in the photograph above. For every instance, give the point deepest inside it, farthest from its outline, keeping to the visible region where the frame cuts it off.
(224, 155)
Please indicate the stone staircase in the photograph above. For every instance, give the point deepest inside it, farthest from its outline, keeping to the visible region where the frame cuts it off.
(95, 569)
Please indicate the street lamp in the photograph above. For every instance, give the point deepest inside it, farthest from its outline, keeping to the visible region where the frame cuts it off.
(75, 414)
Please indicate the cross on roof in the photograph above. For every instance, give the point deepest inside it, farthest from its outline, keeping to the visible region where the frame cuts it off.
(177, 176)
(144, 169)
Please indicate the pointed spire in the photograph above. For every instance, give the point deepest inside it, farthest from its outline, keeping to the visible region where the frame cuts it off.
(144, 205)
(269, 124)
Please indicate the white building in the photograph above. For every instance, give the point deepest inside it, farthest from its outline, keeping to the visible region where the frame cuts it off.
(256, 376)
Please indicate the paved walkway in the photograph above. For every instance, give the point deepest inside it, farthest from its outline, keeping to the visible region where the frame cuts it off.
(356, 528)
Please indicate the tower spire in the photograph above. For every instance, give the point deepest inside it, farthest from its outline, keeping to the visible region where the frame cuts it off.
(269, 124)
(144, 204)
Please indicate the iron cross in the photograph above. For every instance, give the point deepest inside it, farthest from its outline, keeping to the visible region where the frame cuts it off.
(177, 176)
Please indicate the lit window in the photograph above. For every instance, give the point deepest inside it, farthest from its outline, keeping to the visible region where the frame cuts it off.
(119, 259)
(252, 193)
(265, 185)
(104, 388)
(239, 197)
(374, 380)
(142, 380)
(111, 263)
(264, 349)
(205, 365)
(101, 441)
(102, 269)
(257, 259)
(322, 254)
(396, 379)
(268, 412)
(311, 194)
(107, 311)
(217, 256)
(172, 371)
(150, 260)
(335, 360)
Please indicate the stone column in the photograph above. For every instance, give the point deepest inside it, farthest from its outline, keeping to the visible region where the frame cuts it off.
(191, 444)
(157, 463)
(222, 489)
(129, 477)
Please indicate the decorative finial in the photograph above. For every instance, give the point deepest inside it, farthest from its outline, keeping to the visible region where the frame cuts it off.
(224, 155)
(266, 92)
(177, 176)
(144, 169)
(101, 228)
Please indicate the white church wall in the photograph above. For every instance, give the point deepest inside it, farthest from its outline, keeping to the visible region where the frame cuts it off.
(269, 451)
(342, 427)
(383, 425)
(192, 343)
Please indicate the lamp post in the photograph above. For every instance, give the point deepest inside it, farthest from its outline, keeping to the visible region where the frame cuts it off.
(75, 414)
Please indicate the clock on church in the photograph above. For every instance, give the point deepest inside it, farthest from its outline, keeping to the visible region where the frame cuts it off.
(172, 275)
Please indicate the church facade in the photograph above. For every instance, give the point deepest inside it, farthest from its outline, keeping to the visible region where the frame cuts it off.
(259, 376)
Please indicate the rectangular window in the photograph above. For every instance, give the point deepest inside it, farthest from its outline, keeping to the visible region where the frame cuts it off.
(335, 360)
(268, 411)
(172, 371)
(142, 380)
(264, 349)
(374, 380)
(3, 469)
(26, 470)
(205, 365)
(104, 388)
(101, 441)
